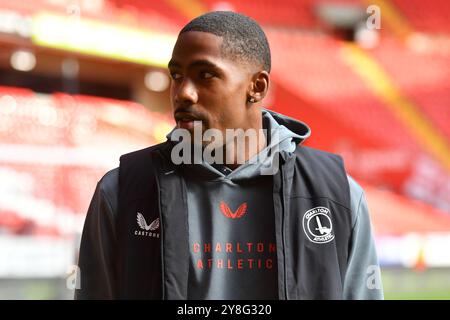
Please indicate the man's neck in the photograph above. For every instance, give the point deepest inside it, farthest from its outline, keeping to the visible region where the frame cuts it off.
(244, 146)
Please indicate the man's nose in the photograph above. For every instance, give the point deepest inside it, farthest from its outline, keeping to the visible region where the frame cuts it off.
(186, 92)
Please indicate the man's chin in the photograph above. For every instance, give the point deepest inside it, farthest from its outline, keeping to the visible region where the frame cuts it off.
(187, 125)
(196, 132)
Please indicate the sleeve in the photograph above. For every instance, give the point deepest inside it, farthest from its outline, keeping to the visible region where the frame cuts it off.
(363, 277)
(96, 257)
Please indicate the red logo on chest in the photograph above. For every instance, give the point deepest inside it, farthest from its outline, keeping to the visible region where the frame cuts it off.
(239, 213)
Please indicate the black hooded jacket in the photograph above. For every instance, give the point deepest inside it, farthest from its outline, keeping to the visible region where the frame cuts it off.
(135, 239)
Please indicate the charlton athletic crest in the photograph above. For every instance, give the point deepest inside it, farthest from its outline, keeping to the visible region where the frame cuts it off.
(317, 225)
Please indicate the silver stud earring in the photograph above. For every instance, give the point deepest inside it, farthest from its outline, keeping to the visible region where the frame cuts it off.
(251, 100)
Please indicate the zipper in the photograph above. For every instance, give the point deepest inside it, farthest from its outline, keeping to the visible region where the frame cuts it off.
(161, 226)
(162, 247)
(283, 233)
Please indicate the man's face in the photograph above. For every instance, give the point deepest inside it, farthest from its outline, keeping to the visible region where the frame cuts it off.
(206, 86)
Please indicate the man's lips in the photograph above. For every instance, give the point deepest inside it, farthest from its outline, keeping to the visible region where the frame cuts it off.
(186, 120)
(185, 124)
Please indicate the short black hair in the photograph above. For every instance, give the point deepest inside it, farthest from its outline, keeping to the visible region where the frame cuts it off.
(242, 36)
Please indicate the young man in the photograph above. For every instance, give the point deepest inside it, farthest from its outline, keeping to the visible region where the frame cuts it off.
(274, 220)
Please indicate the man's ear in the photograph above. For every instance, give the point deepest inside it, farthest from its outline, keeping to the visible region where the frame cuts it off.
(259, 86)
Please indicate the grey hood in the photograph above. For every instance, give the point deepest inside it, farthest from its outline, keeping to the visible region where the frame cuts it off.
(283, 134)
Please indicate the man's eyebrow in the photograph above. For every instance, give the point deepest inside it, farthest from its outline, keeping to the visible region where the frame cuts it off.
(196, 63)
(203, 63)
(173, 64)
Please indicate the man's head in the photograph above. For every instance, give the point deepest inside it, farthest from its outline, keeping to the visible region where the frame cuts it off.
(242, 37)
(220, 72)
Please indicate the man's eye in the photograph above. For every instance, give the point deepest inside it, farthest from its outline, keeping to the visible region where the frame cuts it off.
(175, 76)
(206, 75)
